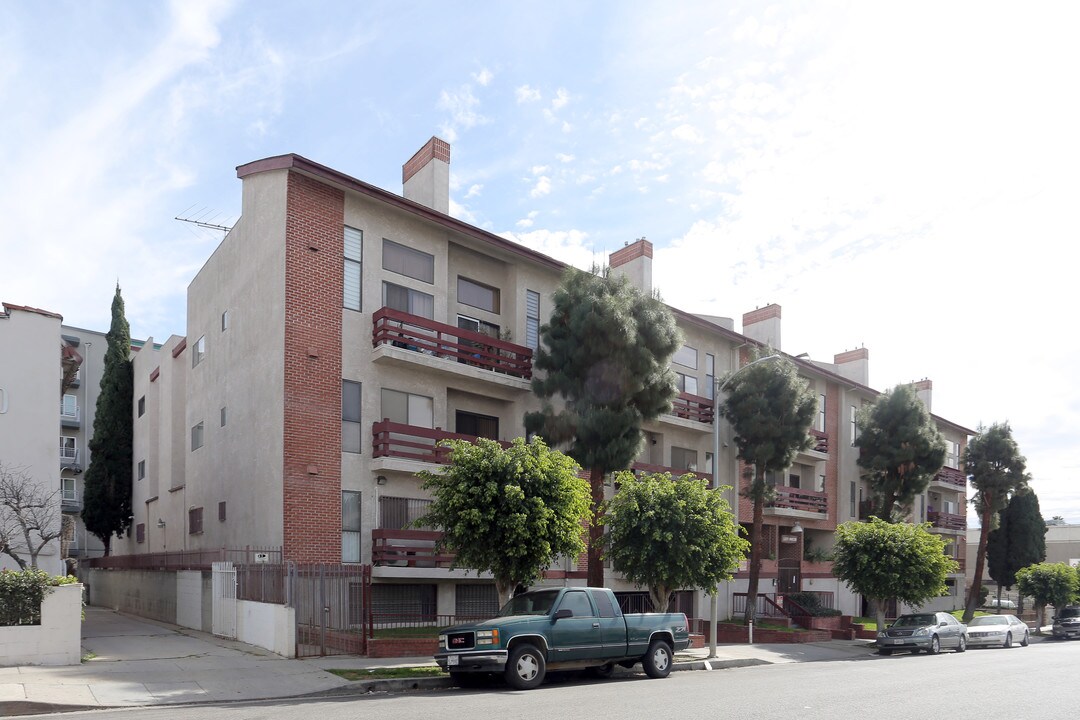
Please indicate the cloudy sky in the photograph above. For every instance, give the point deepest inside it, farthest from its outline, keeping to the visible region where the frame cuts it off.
(899, 176)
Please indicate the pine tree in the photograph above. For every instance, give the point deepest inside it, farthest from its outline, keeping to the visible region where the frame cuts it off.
(605, 351)
(107, 495)
(900, 451)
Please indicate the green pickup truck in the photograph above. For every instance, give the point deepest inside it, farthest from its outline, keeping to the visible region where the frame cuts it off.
(561, 629)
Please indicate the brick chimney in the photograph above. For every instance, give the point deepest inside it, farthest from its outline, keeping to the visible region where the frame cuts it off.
(923, 389)
(854, 365)
(426, 177)
(634, 260)
(763, 325)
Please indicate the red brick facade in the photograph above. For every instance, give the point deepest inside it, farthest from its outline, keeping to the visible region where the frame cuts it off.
(434, 149)
(766, 313)
(314, 247)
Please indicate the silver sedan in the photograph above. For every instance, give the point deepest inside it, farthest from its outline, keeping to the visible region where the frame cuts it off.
(997, 631)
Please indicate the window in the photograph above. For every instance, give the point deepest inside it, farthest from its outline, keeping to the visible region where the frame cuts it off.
(603, 603)
(223, 417)
(478, 295)
(224, 321)
(69, 407)
(952, 454)
(408, 261)
(686, 356)
(68, 490)
(398, 513)
(406, 408)
(532, 319)
(710, 375)
(350, 526)
(467, 323)
(68, 451)
(196, 436)
(577, 602)
(198, 351)
(683, 459)
(686, 383)
(142, 406)
(922, 508)
(194, 516)
(851, 500)
(485, 426)
(854, 425)
(398, 297)
(821, 412)
(708, 463)
(142, 469)
(140, 533)
(354, 256)
(350, 416)
(413, 601)
(221, 511)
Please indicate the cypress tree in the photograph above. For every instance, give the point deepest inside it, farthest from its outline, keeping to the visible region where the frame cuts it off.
(107, 493)
(1018, 541)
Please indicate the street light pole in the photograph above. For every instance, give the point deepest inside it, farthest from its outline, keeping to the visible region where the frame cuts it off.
(718, 387)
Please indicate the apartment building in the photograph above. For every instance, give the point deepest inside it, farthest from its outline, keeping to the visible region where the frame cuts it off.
(340, 330)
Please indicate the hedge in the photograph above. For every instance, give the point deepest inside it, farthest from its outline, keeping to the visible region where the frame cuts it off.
(21, 593)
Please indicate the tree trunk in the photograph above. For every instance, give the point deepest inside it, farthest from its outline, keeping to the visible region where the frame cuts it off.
(505, 589)
(980, 560)
(661, 598)
(877, 609)
(596, 531)
(886, 509)
(999, 600)
(755, 560)
(1040, 611)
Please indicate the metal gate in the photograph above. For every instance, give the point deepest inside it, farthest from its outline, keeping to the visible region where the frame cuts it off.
(332, 605)
(223, 584)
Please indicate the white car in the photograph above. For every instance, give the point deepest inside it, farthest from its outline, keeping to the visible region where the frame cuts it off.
(997, 631)
(1005, 604)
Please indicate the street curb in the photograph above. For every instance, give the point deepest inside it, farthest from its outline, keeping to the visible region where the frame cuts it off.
(719, 664)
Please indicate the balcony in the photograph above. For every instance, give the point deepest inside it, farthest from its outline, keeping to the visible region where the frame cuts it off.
(69, 458)
(638, 468)
(819, 450)
(690, 411)
(70, 502)
(70, 415)
(410, 442)
(947, 521)
(795, 502)
(401, 337)
(949, 478)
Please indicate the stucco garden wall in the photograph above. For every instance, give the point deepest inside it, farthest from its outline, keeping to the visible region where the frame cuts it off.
(56, 641)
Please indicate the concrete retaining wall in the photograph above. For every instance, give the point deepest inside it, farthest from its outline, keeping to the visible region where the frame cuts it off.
(56, 641)
(268, 626)
(177, 597)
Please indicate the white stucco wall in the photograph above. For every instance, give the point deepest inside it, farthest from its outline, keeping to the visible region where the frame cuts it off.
(268, 626)
(56, 641)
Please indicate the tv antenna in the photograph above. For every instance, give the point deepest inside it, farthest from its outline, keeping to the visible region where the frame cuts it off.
(203, 217)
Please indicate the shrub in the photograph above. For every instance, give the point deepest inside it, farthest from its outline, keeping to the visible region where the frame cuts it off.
(21, 594)
(811, 602)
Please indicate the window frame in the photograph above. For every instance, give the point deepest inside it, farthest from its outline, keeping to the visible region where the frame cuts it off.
(496, 300)
(353, 263)
(408, 252)
(198, 351)
(198, 430)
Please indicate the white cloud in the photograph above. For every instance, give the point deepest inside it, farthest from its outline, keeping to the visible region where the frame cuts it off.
(561, 98)
(687, 133)
(463, 106)
(484, 77)
(540, 169)
(526, 94)
(474, 191)
(564, 158)
(568, 246)
(524, 222)
(542, 187)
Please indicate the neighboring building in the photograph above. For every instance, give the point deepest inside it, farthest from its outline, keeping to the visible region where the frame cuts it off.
(30, 362)
(1062, 546)
(340, 330)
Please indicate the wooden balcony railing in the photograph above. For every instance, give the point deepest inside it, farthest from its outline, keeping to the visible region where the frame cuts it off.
(821, 441)
(692, 407)
(952, 476)
(790, 498)
(391, 439)
(468, 347)
(946, 521)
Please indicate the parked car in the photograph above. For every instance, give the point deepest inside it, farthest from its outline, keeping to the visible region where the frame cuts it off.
(1005, 604)
(561, 629)
(1067, 622)
(929, 631)
(994, 630)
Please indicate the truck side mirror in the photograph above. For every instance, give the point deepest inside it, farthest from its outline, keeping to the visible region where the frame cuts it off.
(563, 613)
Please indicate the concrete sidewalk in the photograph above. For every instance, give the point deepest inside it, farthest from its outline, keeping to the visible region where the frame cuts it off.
(135, 662)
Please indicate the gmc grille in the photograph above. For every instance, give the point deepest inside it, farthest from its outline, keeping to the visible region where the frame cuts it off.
(460, 641)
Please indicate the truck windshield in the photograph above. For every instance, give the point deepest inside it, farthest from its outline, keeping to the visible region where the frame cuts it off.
(532, 603)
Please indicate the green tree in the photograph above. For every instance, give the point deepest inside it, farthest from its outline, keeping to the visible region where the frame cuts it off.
(1018, 541)
(1054, 584)
(508, 511)
(883, 560)
(771, 410)
(107, 494)
(900, 451)
(666, 534)
(605, 352)
(997, 470)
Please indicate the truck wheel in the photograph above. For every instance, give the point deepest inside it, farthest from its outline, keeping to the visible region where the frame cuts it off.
(657, 660)
(525, 668)
(602, 671)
